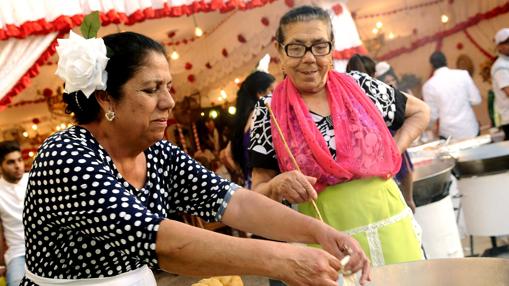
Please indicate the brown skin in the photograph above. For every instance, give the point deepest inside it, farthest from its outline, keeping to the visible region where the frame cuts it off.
(140, 119)
(12, 167)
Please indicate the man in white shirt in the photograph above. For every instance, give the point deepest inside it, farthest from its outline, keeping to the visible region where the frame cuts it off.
(450, 94)
(500, 79)
(13, 184)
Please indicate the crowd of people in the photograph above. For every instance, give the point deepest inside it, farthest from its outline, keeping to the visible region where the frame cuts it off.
(320, 154)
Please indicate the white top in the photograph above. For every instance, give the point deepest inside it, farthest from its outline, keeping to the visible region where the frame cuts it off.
(11, 214)
(450, 94)
(500, 79)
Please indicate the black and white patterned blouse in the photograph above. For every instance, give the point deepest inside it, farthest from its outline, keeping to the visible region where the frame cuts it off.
(389, 101)
(83, 220)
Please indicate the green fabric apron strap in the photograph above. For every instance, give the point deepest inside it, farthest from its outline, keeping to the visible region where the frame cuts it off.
(374, 212)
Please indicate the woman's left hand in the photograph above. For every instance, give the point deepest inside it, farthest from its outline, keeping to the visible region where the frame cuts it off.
(340, 245)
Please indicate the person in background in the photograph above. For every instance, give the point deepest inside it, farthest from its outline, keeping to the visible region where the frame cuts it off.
(405, 176)
(500, 79)
(336, 128)
(361, 63)
(450, 94)
(13, 185)
(100, 192)
(236, 154)
(212, 138)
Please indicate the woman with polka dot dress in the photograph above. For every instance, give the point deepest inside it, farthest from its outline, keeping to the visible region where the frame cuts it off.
(100, 193)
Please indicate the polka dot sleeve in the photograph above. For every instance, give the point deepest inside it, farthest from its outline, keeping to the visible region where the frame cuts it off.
(198, 191)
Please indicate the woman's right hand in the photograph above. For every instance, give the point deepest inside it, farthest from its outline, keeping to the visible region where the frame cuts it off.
(308, 266)
(293, 186)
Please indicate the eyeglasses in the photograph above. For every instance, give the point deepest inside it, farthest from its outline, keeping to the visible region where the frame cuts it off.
(299, 50)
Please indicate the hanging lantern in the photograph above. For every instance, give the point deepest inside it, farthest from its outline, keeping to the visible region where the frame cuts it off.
(188, 66)
(191, 78)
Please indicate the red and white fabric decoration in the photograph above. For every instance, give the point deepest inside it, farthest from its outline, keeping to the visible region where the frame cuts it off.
(347, 39)
(19, 56)
(22, 18)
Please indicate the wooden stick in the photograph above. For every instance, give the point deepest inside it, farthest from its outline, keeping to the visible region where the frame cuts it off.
(295, 164)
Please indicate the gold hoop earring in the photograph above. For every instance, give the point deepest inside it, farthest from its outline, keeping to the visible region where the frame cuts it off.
(110, 115)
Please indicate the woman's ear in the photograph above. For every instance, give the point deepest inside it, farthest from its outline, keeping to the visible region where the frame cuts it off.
(104, 100)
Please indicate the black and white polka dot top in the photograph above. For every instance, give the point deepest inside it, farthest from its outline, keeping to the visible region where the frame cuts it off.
(83, 220)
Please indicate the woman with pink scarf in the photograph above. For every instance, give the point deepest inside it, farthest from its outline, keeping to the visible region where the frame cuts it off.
(336, 126)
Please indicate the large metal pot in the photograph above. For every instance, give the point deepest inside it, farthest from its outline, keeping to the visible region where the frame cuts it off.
(432, 180)
(446, 272)
(482, 160)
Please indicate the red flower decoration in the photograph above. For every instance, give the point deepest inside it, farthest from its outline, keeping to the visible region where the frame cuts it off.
(225, 53)
(459, 46)
(47, 92)
(188, 66)
(208, 65)
(191, 78)
(184, 41)
(36, 121)
(241, 38)
(338, 9)
(265, 21)
(290, 3)
(171, 34)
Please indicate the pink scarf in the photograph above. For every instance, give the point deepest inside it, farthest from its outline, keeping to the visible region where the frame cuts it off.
(364, 145)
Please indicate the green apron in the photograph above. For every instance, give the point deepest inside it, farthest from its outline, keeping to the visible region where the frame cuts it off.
(374, 212)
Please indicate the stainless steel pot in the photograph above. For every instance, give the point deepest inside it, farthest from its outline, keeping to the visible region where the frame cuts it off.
(446, 272)
(486, 159)
(432, 180)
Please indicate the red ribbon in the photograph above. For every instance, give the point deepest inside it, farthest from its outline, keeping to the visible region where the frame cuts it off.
(474, 20)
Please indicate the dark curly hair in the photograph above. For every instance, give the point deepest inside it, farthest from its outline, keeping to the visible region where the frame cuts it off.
(127, 52)
(7, 147)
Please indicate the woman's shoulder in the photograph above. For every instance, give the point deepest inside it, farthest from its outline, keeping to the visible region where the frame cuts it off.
(70, 138)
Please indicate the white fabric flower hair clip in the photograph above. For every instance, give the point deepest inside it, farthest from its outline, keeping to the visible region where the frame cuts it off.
(82, 64)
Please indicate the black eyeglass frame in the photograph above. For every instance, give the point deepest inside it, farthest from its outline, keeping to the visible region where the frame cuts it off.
(306, 49)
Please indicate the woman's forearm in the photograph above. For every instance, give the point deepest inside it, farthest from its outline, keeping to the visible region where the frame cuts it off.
(188, 250)
(252, 212)
(417, 115)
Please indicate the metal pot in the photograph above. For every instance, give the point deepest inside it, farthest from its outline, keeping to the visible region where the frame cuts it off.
(447, 272)
(432, 180)
(482, 160)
